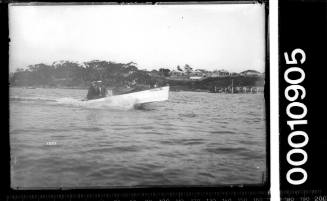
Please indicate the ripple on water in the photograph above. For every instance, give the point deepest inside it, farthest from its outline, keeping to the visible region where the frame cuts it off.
(248, 154)
(192, 139)
(189, 115)
(183, 141)
(117, 149)
(92, 129)
(223, 132)
(225, 150)
(172, 155)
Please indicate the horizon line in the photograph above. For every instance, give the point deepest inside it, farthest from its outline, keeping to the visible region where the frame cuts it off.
(139, 68)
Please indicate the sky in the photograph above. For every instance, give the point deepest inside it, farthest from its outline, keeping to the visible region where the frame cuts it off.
(210, 37)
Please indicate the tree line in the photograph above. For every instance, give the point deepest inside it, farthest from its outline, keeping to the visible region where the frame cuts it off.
(73, 74)
(79, 75)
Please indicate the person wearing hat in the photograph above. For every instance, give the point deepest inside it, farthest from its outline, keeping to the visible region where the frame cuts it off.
(102, 89)
(93, 92)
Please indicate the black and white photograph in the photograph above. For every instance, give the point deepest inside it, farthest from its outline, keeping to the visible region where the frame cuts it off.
(110, 96)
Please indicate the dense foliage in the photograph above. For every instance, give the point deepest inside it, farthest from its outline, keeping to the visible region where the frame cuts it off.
(72, 74)
(79, 75)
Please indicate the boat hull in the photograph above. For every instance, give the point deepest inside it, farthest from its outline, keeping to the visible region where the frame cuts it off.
(137, 98)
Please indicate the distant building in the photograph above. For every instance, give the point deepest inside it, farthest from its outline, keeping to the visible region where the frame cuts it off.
(154, 73)
(188, 68)
(251, 73)
(197, 73)
(234, 74)
(220, 73)
(196, 77)
(176, 73)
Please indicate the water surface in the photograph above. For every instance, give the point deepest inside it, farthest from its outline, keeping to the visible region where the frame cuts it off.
(195, 138)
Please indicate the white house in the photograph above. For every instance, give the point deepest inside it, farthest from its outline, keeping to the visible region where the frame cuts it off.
(251, 73)
(220, 73)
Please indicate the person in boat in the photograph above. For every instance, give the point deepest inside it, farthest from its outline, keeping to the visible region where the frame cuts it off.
(96, 90)
(93, 92)
(102, 89)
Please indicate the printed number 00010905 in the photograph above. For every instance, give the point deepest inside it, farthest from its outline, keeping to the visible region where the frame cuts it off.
(297, 118)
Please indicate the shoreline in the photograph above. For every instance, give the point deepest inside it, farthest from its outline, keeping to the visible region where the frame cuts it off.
(39, 87)
(174, 89)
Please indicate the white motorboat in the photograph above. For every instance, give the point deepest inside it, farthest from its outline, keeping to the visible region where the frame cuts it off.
(137, 98)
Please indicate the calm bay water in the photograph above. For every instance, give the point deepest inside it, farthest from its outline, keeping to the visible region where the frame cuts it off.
(195, 138)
